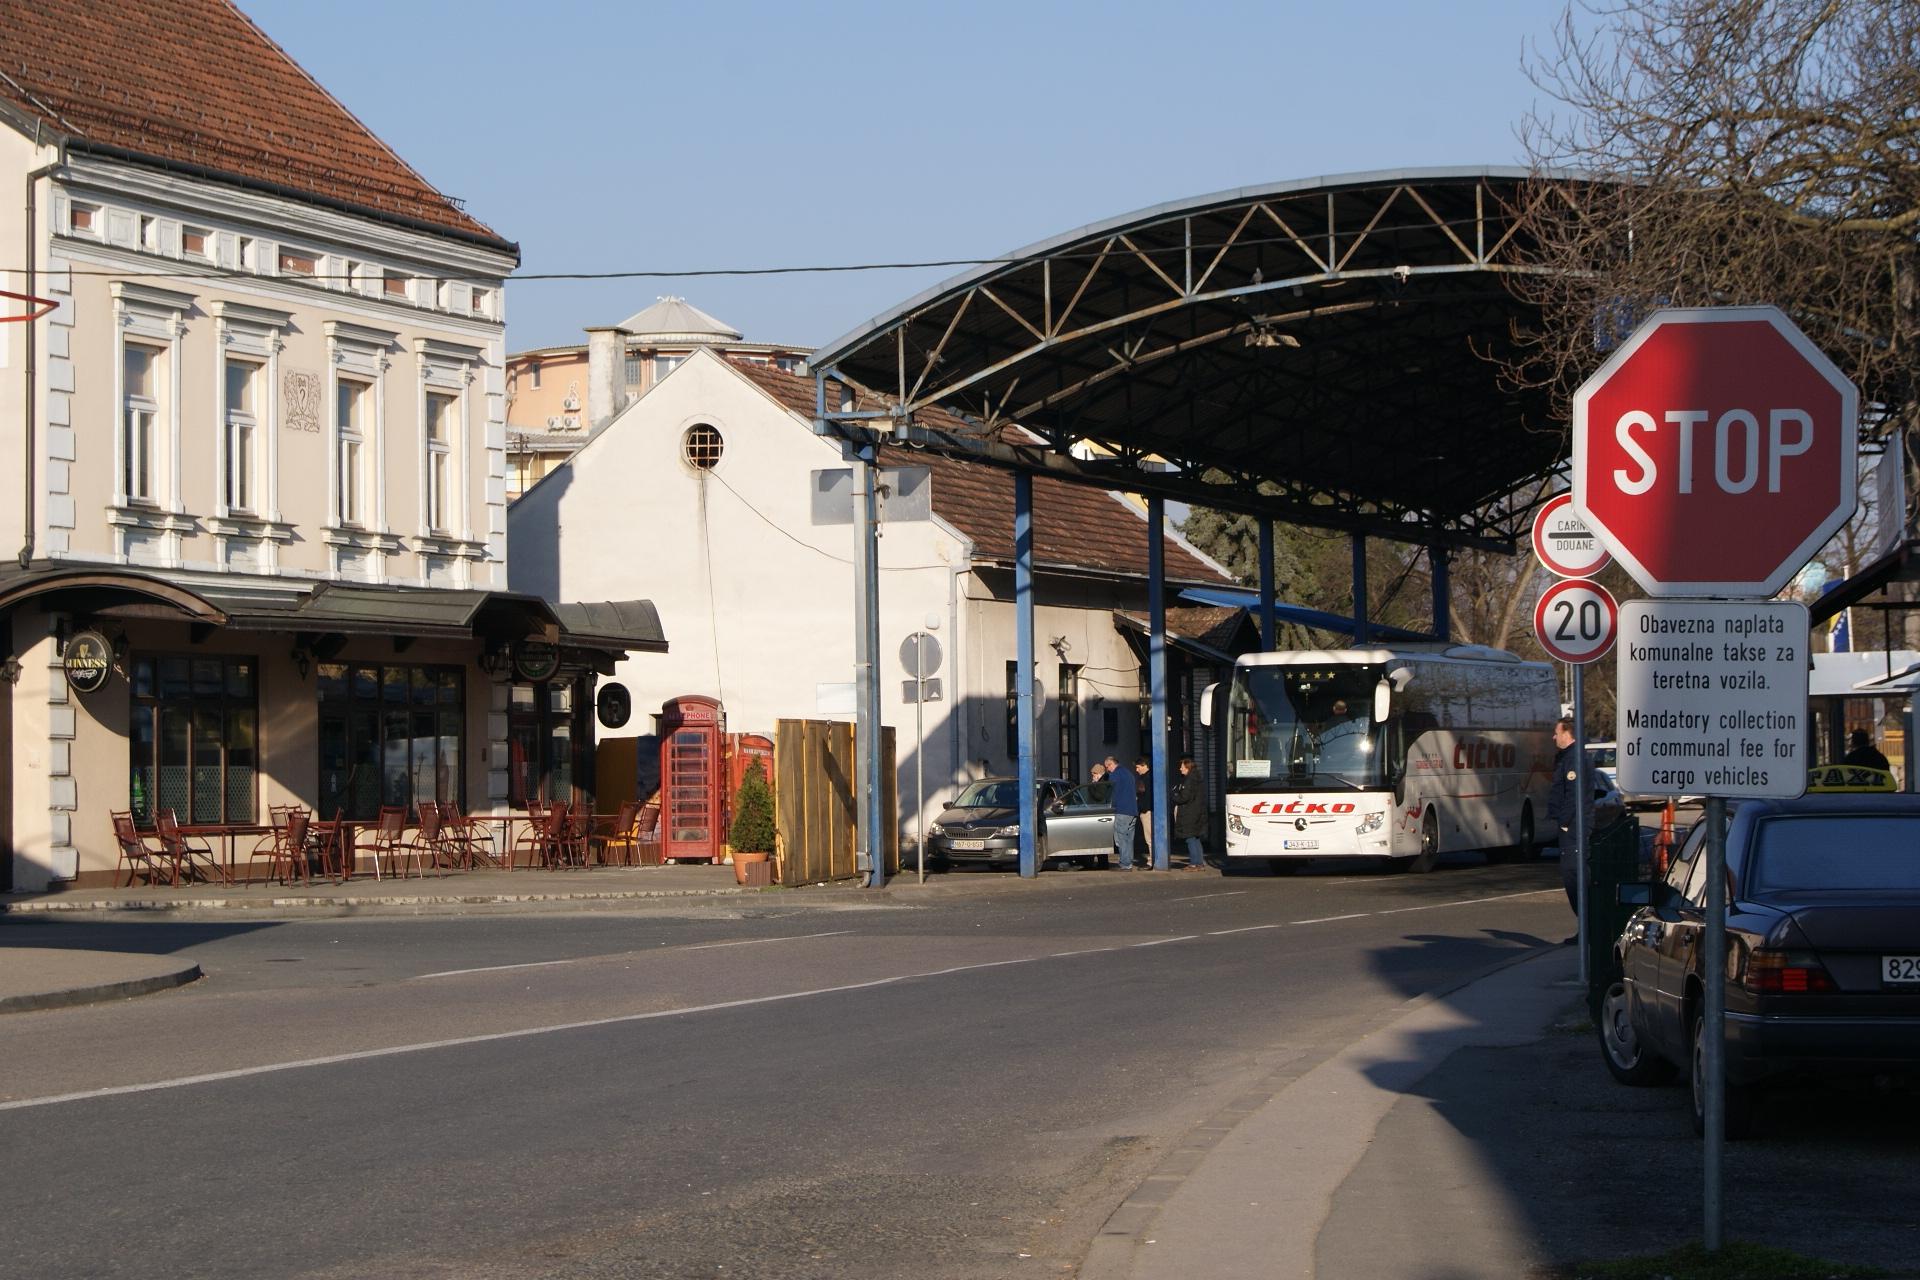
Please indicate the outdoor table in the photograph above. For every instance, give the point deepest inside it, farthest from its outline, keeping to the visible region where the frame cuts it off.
(228, 832)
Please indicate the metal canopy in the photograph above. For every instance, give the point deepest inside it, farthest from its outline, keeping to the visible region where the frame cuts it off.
(1332, 342)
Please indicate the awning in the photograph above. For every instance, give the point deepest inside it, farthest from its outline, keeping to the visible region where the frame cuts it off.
(336, 609)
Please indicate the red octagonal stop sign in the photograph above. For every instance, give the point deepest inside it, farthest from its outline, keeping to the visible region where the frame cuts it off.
(1714, 453)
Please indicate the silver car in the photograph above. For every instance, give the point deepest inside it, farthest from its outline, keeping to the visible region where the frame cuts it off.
(982, 824)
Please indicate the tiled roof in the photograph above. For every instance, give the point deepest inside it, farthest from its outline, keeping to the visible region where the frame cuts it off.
(1074, 525)
(196, 83)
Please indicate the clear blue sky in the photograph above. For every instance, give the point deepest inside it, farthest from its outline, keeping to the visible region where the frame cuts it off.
(651, 136)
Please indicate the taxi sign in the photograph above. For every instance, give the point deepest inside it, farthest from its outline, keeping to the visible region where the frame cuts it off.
(1832, 778)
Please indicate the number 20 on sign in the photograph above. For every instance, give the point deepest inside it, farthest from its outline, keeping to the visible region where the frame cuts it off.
(1576, 620)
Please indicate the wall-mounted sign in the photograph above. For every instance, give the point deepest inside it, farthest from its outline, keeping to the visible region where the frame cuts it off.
(614, 705)
(535, 659)
(88, 661)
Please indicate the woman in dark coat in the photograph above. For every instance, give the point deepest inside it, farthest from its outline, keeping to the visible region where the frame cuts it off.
(1190, 813)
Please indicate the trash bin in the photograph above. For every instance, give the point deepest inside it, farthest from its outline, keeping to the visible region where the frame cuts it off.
(1616, 855)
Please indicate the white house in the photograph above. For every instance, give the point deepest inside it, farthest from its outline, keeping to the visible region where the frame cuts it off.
(713, 492)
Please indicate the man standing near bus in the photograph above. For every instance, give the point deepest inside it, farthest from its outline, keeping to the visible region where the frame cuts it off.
(1126, 816)
(1561, 807)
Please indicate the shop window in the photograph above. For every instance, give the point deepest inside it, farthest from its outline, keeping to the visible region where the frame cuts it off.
(390, 735)
(194, 739)
(544, 738)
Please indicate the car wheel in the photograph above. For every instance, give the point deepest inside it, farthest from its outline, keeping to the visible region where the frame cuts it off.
(1629, 1061)
(1739, 1107)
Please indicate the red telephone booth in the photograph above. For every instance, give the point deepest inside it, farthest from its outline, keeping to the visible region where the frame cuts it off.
(744, 750)
(693, 778)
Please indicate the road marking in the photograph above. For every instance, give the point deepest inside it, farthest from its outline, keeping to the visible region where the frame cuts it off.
(1231, 893)
(542, 964)
(754, 942)
(1467, 902)
(1245, 928)
(1358, 915)
(1161, 942)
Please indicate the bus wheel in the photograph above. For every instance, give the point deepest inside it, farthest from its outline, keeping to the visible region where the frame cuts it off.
(1523, 849)
(1429, 844)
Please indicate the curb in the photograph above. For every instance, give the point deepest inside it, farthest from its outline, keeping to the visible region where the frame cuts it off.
(99, 993)
(51, 906)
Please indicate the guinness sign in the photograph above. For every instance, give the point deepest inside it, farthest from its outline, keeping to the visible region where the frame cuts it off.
(88, 661)
(535, 659)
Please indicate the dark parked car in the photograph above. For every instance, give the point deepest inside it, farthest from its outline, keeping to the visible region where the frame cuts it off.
(983, 823)
(1823, 952)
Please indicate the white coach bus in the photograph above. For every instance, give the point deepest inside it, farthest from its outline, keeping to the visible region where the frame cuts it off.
(1401, 753)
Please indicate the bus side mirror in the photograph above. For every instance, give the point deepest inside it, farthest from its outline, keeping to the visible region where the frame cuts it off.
(1206, 707)
(1382, 700)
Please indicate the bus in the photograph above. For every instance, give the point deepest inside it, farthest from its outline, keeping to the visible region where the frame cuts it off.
(1399, 753)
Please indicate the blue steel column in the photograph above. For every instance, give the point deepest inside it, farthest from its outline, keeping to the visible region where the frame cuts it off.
(1441, 561)
(1157, 674)
(1362, 633)
(1268, 624)
(1023, 673)
(866, 667)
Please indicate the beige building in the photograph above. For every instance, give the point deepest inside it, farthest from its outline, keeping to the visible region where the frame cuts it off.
(557, 395)
(717, 493)
(261, 442)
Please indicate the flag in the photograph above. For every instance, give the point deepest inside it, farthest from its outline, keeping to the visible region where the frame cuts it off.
(1839, 634)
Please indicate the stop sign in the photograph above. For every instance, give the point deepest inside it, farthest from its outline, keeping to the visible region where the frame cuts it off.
(1714, 453)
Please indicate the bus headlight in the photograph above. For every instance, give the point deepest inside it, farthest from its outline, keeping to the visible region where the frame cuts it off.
(1372, 822)
(1236, 826)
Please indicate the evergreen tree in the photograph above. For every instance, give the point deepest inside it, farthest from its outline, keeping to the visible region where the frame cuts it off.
(752, 814)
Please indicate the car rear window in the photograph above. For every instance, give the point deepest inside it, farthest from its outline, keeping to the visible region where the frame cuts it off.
(1827, 851)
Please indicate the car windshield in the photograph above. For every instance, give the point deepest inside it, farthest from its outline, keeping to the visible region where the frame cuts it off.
(1863, 852)
(989, 793)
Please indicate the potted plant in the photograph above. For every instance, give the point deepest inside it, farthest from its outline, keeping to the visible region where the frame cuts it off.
(752, 833)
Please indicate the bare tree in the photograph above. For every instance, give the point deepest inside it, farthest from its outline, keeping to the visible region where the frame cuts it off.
(1729, 152)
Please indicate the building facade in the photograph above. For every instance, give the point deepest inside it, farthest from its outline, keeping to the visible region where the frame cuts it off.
(718, 493)
(557, 395)
(261, 439)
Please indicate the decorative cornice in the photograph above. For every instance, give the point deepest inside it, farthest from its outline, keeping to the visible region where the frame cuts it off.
(246, 313)
(441, 349)
(151, 296)
(364, 335)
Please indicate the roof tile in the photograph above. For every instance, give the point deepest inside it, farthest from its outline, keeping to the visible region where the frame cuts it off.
(195, 82)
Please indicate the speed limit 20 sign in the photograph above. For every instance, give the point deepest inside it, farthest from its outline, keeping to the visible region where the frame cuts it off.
(1576, 620)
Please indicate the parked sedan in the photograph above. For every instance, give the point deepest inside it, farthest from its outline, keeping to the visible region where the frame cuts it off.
(1823, 952)
(983, 823)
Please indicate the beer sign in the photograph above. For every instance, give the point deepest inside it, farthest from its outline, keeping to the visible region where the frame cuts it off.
(88, 661)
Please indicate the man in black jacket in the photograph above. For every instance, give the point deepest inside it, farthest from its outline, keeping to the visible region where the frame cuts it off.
(1562, 809)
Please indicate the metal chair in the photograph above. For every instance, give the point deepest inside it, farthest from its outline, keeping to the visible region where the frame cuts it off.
(286, 856)
(619, 844)
(475, 840)
(135, 853)
(190, 856)
(532, 837)
(389, 837)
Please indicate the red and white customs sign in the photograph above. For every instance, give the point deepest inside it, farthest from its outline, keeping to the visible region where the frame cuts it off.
(1564, 543)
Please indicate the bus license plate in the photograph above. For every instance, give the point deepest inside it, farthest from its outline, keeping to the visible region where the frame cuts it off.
(1900, 970)
(1299, 844)
(968, 844)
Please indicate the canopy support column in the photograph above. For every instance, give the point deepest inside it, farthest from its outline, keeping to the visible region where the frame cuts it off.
(1023, 670)
(871, 838)
(1362, 633)
(1269, 626)
(1157, 674)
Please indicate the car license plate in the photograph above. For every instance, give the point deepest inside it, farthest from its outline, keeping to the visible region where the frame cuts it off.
(1900, 970)
(1299, 844)
(968, 844)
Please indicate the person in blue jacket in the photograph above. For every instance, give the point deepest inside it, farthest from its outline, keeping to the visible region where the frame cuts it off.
(1126, 816)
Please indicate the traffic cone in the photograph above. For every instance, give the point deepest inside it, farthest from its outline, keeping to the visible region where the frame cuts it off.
(1663, 842)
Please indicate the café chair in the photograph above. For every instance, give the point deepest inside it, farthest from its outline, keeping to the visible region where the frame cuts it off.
(191, 857)
(135, 853)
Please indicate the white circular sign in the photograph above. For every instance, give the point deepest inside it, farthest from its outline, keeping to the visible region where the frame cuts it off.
(1576, 620)
(1564, 543)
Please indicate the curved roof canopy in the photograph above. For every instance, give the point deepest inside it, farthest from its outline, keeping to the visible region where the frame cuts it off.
(1323, 351)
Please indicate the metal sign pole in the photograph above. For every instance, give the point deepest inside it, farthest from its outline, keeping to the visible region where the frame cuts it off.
(920, 751)
(1714, 1016)
(1580, 799)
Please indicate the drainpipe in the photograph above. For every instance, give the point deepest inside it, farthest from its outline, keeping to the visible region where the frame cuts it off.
(31, 381)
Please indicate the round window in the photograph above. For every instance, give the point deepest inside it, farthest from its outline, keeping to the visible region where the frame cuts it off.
(701, 447)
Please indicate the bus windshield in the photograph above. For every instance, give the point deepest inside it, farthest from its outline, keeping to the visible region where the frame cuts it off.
(1303, 727)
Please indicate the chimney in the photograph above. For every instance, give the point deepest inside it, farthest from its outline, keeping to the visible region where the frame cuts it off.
(606, 373)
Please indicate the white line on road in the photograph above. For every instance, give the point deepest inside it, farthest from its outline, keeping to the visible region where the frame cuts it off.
(754, 942)
(1245, 928)
(1231, 893)
(1358, 915)
(1161, 942)
(1467, 902)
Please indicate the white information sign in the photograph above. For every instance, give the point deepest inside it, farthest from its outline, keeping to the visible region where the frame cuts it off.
(1713, 698)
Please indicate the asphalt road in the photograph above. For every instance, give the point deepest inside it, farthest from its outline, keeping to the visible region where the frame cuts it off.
(962, 1082)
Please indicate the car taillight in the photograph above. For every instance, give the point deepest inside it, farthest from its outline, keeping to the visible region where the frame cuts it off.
(1786, 973)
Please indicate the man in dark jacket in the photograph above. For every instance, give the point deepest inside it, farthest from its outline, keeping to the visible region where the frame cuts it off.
(1190, 813)
(1126, 816)
(1143, 797)
(1562, 809)
(1862, 752)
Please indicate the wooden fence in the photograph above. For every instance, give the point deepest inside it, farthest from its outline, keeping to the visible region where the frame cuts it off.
(813, 802)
